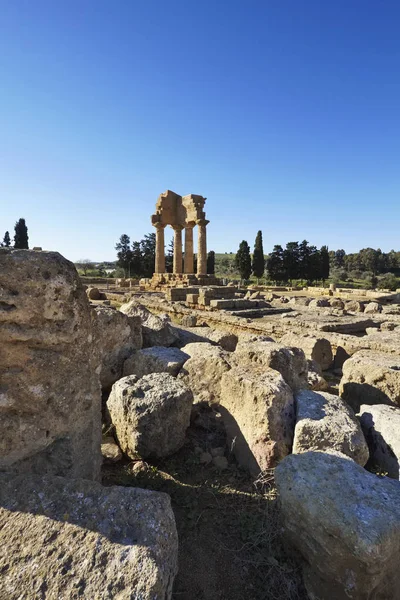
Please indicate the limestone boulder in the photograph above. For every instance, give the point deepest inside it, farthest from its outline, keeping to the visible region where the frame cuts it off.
(50, 398)
(345, 524)
(93, 293)
(150, 415)
(157, 359)
(76, 539)
(257, 407)
(202, 372)
(336, 303)
(373, 307)
(110, 451)
(290, 362)
(381, 426)
(383, 341)
(117, 336)
(156, 330)
(300, 301)
(191, 335)
(318, 303)
(325, 422)
(371, 378)
(315, 380)
(315, 348)
(354, 306)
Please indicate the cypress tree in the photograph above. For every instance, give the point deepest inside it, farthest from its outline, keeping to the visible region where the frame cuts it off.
(243, 260)
(258, 264)
(6, 240)
(124, 253)
(211, 262)
(324, 252)
(21, 235)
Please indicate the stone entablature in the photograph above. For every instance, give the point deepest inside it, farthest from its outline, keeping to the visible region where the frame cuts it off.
(181, 212)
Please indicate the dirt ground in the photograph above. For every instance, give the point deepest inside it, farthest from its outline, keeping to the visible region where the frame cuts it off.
(230, 545)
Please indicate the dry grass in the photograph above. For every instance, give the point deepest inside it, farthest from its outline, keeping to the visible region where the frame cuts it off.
(229, 528)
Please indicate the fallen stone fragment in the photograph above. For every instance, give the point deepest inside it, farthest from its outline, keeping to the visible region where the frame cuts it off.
(373, 307)
(371, 378)
(257, 407)
(72, 539)
(50, 397)
(315, 348)
(345, 524)
(110, 451)
(202, 373)
(157, 359)
(381, 427)
(290, 362)
(117, 336)
(150, 415)
(315, 380)
(325, 422)
(191, 335)
(156, 331)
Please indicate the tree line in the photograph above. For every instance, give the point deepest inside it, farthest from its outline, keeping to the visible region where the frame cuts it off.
(296, 261)
(21, 237)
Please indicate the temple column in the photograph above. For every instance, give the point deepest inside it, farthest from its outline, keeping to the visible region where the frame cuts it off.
(160, 256)
(178, 249)
(189, 257)
(202, 247)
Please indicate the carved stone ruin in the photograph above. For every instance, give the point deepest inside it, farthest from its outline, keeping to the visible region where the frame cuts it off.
(181, 212)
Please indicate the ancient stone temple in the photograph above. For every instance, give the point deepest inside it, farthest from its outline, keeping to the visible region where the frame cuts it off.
(181, 213)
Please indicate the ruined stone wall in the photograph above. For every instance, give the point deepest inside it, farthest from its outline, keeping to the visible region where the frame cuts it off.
(50, 405)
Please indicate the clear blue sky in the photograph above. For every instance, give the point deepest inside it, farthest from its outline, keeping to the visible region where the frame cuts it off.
(285, 114)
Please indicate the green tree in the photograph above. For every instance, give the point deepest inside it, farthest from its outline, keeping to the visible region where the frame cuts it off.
(124, 253)
(21, 235)
(211, 262)
(339, 260)
(275, 265)
(169, 258)
(291, 261)
(243, 260)
(136, 260)
(148, 249)
(6, 240)
(258, 264)
(304, 260)
(324, 252)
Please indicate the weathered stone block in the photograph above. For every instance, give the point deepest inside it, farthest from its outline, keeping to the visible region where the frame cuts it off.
(345, 524)
(50, 402)
(157, 359)
(76, 539)
(117, 336)
(381, 427)
(371, 378)
(258, 411)
(325, 422)
(150, 415)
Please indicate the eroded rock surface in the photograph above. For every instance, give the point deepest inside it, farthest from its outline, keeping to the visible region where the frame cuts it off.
(117, 338)
(202, 373)
(50, 403)
(344, 522)
(290, 362)
(72, 539)
(381, 427)
(157, 359)
(325, 422)
(258, 411)
(371, 378)
(156, 331)
(150, 415)
(315, 348)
